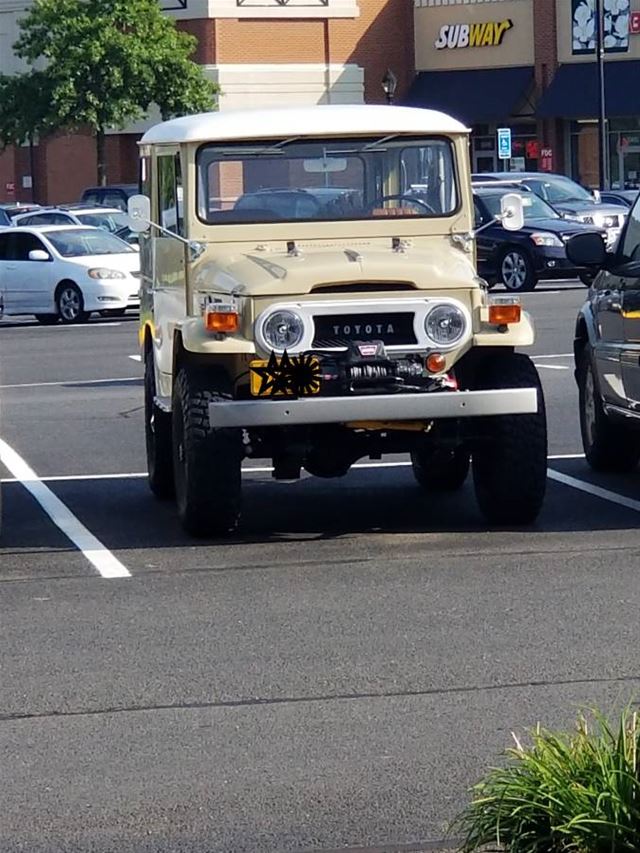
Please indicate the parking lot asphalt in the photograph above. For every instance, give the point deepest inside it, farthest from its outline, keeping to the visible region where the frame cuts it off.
(333, 677)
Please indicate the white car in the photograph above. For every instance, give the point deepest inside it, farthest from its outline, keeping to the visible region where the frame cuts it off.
(65, 272)
(110, 218)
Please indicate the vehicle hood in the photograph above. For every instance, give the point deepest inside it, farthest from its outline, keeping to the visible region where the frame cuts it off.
(556, 226)
(126, 262)
(585, 208)
(270, 273)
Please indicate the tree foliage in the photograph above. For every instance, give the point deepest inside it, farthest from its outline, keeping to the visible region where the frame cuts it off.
(101, 64)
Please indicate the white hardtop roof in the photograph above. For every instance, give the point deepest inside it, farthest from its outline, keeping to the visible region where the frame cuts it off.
(318, 121)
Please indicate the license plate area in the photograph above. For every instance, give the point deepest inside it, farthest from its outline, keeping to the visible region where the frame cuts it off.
(285, 376)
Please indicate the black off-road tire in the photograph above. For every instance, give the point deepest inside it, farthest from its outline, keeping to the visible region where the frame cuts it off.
(47, 319)
(440, 469)
(509, 463)
(157, 429)
(608, 446)
(587, 278)
(206, 462)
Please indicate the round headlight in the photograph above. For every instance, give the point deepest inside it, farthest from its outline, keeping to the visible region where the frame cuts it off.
(283, 330)
(445, 325)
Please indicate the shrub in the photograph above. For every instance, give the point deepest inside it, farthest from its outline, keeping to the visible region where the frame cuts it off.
(576, 792)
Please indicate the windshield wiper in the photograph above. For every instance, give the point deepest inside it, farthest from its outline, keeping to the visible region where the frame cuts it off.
(257, 152)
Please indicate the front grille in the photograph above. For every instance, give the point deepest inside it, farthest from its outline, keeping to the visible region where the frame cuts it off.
(341, 330)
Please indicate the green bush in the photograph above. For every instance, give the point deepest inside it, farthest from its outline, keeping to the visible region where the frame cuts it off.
(576, 792)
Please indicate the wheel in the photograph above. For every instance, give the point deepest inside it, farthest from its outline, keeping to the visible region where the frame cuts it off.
(206, 462)
(586, 278)
(439, 469)
(157, 430)
(70, 304)
(47, 319)
(608, 446)
(113, 312)
(509, 462)
(516, 271)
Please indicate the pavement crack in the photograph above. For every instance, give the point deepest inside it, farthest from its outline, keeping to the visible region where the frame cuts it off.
(267, 701)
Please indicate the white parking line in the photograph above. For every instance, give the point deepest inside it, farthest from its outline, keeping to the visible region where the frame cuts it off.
(596, 491)
(94, 551)
(135, 357)
(74, 382)
(557, 355)
(136, 475)
(552, 366)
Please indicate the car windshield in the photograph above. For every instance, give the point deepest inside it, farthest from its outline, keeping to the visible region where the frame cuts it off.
(109, 221)
(333, 179)
(564, 189)
(78, 243)
(534, 206)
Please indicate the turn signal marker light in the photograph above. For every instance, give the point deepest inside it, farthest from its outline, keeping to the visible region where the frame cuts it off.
(225, 322)
(435, 362)
(504, 314)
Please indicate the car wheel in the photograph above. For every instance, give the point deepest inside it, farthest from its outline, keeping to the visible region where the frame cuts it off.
(70, 304)
(113, 312)
(608, 446)
(157, 428)
(516, 271)
(206, 461)
(509, 460)
(440, 469)
(47, 319)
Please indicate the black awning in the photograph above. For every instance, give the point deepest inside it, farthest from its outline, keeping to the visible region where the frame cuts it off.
(477, 95)
(573, 92)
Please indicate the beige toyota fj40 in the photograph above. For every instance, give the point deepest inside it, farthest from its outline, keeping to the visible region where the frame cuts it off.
(309, 295)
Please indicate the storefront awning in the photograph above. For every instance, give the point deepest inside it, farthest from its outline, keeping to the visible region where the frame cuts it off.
(573, 92)
(478, 95)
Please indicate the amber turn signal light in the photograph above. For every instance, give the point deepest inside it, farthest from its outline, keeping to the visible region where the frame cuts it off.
(225, 322)
(435, 362)
(503, 315)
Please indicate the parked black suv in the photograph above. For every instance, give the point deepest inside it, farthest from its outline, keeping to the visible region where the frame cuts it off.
(607, 348)
(519, 259)
(115, 195)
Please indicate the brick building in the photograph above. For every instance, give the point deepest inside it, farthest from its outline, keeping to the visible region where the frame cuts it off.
(260, 52)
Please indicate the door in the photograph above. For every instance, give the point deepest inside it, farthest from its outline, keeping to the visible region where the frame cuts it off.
(27, 284)
(628, 251)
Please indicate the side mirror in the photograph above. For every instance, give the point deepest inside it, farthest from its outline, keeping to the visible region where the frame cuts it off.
(139, 211)
(587, 250)
(38, 255)
(512, 211)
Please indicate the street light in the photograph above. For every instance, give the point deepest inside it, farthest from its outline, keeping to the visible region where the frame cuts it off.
(389, 85)
(603, 148)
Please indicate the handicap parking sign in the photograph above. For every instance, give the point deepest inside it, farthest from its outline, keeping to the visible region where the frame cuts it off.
(504, 143)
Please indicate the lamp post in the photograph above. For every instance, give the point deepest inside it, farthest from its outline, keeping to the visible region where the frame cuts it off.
(603, 147)
(389, 85)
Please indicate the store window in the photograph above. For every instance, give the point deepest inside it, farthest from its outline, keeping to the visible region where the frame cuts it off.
(525, 149)
(624, 153)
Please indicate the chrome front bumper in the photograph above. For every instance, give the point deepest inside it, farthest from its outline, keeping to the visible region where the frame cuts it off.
(384, 407)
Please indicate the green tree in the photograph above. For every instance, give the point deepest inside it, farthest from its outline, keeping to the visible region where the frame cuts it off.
(105, 62)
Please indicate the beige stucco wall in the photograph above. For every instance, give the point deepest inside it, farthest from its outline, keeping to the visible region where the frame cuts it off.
(516, 47)
(563, 14)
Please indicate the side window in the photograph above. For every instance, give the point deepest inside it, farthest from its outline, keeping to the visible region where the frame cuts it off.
(113, 198)
(170, 193)
(23, 244)
(60, 219)
(90, 198)
(479, 219)
(144, 176)
(630, 245)
(4, 244)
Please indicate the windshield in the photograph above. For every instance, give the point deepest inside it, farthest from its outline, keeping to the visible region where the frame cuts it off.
(109, 221)
(326, 180)
(82, 242)
(563, 189)
(534, 206)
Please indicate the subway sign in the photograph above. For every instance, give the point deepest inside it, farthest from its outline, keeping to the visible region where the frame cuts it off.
(489, 34)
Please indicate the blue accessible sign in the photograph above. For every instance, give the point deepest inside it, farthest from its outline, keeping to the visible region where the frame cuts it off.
(504, 143)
